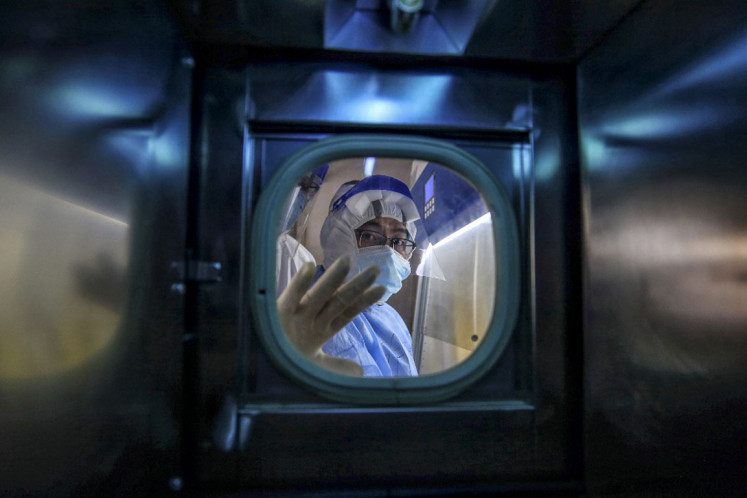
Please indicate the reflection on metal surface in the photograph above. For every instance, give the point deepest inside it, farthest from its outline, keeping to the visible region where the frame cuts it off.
(379, 99)
(556, 31)
(63, 282)
(84, 100)
(448, 316)
(682, 248)
(668, 123)
(94, 141)
(404, 14)
(713, 67)
(665, 112)
(404, 26)
(354, 94)
(662, 121)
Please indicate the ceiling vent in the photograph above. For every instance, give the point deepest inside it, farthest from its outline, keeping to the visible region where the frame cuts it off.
(403, 26)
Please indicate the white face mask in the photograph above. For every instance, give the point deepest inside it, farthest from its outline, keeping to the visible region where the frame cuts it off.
(394, 268)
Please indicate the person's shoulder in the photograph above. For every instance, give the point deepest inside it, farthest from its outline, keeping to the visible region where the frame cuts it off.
(287, 239)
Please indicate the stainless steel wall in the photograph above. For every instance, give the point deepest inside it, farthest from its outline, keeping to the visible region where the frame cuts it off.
(662, 117)
(518, 424)
(94, 139)
(94, 212)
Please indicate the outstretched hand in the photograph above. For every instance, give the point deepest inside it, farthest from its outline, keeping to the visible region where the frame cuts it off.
(310, 317)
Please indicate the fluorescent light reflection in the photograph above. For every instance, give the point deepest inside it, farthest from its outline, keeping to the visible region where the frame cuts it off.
(85, 100)
(724, 64)
(374, 110)
(368, 166)
(486, 218)
(430, 261)
(671, 123)
(35, 195)
(91, 212)
(696, 100)
(378, 99)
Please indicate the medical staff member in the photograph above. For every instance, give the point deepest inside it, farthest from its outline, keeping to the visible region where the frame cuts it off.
(291, 254)
(368, 235)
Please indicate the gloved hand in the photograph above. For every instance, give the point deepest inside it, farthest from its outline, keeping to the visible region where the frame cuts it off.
(311, 317)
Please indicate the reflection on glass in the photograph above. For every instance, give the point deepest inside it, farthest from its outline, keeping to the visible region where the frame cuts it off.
(429, 232)
(457, 312)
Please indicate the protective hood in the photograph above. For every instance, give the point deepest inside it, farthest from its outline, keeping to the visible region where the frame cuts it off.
(356, 203)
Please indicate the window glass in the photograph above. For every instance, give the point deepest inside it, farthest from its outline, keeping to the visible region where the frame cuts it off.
(445, 307)
(447, 258)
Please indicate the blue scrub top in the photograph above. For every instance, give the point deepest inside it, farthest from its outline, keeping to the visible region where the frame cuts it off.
(377, 340)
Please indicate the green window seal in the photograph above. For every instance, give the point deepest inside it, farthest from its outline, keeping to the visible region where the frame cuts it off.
(395, 390)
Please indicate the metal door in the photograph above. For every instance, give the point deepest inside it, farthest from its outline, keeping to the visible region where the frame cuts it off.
(516, 424)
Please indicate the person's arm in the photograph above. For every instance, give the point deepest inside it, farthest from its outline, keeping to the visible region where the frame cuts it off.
(310, 317)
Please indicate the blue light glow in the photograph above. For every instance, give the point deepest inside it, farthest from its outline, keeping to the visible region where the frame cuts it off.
(429, 187)
(86, 101)
(725, 64)
(673, 122)
(374, 110)
(384, 99)
(168, 152)
(368, 166)
(593, 152)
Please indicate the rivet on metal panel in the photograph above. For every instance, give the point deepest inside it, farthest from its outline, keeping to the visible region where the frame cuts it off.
(204, 271)
(232, 427)
(198, 271)
(246, 422)
(175, 483)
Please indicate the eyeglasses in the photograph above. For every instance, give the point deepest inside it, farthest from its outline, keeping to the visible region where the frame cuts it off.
(367, 238)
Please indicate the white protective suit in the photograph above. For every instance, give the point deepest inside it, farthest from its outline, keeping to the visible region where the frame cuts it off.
(377, 339)
(291, 255)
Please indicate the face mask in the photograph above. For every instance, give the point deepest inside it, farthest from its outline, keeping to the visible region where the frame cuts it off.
(394, 268)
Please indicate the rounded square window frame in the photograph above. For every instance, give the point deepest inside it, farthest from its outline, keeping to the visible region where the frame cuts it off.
(382, 390)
